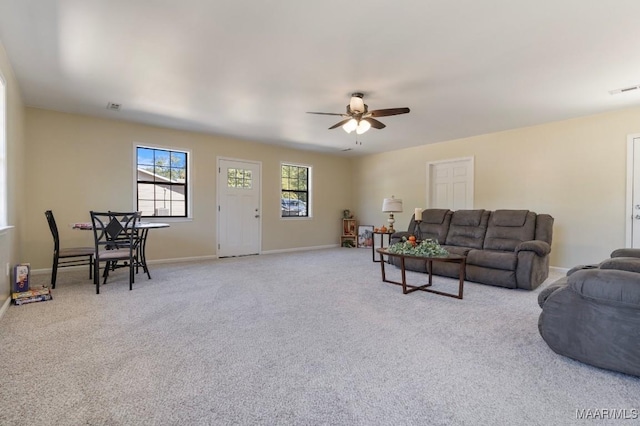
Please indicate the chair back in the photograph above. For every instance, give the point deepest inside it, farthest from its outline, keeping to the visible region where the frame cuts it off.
(115, 230)
(54, 229)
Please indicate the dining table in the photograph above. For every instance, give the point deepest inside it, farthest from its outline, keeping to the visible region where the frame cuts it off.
(141, 249)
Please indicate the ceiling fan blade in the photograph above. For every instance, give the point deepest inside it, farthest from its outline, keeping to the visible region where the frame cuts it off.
(375, 123)
(340, 123)
(387, 112)
(328, 113)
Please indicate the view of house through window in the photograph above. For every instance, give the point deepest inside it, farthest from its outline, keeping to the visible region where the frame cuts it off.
(162, 187)
(294, 199)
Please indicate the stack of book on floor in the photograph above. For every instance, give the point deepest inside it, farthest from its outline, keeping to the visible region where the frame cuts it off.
(40, 294)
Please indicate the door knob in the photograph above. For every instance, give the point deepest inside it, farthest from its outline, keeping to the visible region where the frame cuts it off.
(259, 216)
(637, 216)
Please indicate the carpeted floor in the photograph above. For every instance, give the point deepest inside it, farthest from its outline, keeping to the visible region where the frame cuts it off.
(307, 338)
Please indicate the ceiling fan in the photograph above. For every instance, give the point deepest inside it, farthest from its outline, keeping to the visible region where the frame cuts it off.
(359, 118)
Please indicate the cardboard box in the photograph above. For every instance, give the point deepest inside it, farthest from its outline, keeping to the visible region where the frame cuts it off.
(21, 277)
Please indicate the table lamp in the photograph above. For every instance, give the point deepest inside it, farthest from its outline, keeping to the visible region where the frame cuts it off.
(391, 206)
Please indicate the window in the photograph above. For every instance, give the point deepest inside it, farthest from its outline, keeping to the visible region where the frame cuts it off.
(239, 178)
(162, 182)
(294, 198)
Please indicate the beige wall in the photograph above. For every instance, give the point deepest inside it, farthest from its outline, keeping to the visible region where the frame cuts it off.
(574, 170)
(77, 164)
(10, 241)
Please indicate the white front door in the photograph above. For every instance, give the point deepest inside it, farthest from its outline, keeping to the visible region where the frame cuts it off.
(635, 194)
(450, 184)
(239, 218)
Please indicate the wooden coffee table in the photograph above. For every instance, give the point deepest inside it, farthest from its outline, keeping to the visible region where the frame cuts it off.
(407, 288)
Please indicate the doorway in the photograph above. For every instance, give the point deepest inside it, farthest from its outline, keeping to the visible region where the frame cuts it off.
(633, 192)
(450, 184)
(239, 207)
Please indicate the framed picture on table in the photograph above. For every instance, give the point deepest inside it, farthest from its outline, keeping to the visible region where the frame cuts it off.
(365, 236)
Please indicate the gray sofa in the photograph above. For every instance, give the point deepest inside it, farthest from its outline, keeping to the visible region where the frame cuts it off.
(593, 314)
(506, 248)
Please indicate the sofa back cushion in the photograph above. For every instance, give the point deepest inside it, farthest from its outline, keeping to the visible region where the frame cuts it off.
(544, 228)
(631, 264)
(467, 228)
(435, 224)
(508, 228)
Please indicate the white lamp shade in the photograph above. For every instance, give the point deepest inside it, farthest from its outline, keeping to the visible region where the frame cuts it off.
(350, 125)
(356, 104)
(363, 127)
(392, 205)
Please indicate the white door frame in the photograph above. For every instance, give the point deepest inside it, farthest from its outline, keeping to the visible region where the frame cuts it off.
(217, 211)
(629, 198)
(432, 164)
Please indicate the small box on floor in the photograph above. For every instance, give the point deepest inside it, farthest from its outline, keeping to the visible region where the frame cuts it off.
(21, 277)
(38, 294)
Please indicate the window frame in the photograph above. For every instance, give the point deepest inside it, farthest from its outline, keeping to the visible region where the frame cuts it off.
(188, 193)
(308, 192)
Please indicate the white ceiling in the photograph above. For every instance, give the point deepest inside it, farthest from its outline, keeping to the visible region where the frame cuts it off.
(251, 69)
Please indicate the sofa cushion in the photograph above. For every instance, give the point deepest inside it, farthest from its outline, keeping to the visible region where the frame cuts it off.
(626, 252)
(468, 228)
(631, 264)
(508, 217)
(462, 251)
(435, 216)
(508, 228)
(504, 260)
(467, 217)
(544, 228)
(434, 225)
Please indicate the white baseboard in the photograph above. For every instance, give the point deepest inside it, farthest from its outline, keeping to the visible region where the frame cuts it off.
(188, 259)
(300, 249)
(150, 262)
(5, 306)
(183, 259)
(558, 269)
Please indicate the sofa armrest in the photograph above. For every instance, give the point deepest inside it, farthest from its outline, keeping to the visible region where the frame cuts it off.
(607, 285)
(626, 252)
(396, 237)
(539, 247)
(550, 289)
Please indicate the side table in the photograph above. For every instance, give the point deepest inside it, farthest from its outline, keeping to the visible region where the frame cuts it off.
(373, 244)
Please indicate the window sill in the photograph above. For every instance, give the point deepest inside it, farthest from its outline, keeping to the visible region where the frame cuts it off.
(5, 229)
(154, 219)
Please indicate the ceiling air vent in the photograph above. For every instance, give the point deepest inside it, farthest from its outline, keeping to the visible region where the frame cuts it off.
(626, 89)
(114, 107)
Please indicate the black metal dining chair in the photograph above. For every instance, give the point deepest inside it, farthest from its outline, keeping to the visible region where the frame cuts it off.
(116, 239)
(69, 256)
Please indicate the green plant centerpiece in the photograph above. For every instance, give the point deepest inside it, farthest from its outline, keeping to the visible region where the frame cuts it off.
(426, 248)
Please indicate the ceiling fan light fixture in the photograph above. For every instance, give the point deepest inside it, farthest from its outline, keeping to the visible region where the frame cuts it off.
(356, 104)
(363, 126)
(350, 125)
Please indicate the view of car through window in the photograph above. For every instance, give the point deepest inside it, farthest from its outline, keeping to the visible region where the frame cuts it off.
(293, 207)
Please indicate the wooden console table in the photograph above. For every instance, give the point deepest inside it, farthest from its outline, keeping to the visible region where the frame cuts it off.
(407, 288)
